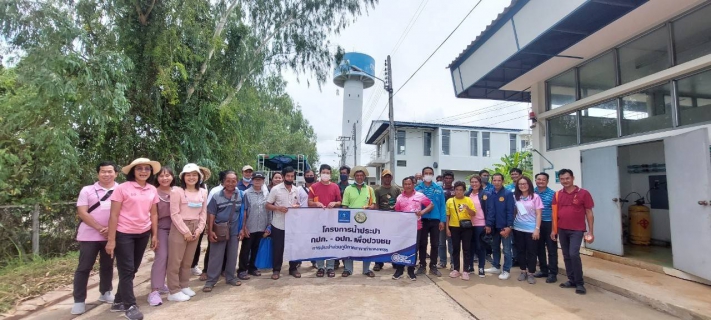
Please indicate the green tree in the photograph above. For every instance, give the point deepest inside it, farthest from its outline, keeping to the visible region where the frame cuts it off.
(521, 160)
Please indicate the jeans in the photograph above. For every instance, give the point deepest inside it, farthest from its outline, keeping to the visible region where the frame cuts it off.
(500, 241)
(180, 254)
(88, 250)
(550, 266)
(527, 250)
(348, 265)
(278, 251)
(570, 242)
(329, 264)
(445, 246)
(129, 253)
(478, 249)
(430, 227)
(248, 252)
(461, 239)
(160, 262)
(223, 252)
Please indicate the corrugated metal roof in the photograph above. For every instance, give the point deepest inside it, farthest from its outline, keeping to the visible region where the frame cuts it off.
(384, 124)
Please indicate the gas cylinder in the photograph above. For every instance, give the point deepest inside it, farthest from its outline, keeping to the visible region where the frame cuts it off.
(640, 224)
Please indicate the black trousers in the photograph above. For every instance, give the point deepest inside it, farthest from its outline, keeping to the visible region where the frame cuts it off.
(278, 251)
(527, 249)
(401, 267)
(549, 266)
(248, 252)
(430, 227)
(461, 241)
(570, 242)
(88, 250)
(129, 253)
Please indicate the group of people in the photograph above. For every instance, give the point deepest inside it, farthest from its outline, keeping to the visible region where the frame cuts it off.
(173, 213)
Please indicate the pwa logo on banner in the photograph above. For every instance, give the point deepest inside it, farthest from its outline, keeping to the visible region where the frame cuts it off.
(403, 259)
(344, 216)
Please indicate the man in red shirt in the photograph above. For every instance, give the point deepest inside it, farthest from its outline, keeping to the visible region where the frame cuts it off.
(572, 207)
(324, 194)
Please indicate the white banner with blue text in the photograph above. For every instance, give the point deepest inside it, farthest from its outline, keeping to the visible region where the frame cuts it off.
(358, 234)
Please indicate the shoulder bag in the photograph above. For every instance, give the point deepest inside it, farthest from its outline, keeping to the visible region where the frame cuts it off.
(222, 229)
(464, 224)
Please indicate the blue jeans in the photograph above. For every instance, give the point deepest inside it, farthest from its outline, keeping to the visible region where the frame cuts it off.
(496, 248)
(478, 250)
(348, 265)
(329, 264)
(443, 248)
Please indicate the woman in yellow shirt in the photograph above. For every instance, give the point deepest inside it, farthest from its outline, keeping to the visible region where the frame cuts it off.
(460, 210)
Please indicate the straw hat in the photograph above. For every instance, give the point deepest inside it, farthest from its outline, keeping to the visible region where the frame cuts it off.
(154, 164)
(359, 168)
(206, 173)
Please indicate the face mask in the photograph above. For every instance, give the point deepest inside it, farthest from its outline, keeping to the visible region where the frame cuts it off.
(247, 180)
(344, 177)
(288, 183)
(310, 179)
(485, 179)
(428, 178)
(360, 184)
(325, 177)
(440, 183)
(195, 204)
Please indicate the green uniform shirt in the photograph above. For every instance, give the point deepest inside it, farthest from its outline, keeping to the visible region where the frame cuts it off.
(354, 198)
(386, 197)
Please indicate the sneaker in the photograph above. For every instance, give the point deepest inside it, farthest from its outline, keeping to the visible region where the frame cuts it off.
(465, 276)
(522, 276)
(118, 307)
(411, 275)
(504, 275)
(78, 308)
(580, 289)
(552, 278)
(567, 285)
(196, 271)
(493, 270)
(133, 313)
(421, 270)
(435, 272)
(454, 274)
(178, 297)
(107, 297)
(188, 292)
(397, 275)
(164, 290)
(481, 273)
(489, 259)
(154, 299)
(531, 279)
(441, 266)
(539, 274)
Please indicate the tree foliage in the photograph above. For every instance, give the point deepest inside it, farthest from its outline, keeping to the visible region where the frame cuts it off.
(521, 160)
(176, 81)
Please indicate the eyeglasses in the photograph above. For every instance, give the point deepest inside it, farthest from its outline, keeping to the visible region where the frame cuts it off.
(144, 169)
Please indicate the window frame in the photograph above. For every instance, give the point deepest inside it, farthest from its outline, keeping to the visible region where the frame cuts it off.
(474, 147)
(404, 142)
(449, 142)
(483, 144)
(427, 144)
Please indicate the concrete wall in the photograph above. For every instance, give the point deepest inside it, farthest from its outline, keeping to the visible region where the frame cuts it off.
(414, 153)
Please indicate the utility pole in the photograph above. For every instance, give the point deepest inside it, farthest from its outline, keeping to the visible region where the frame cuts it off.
(391, 115)
(355, 146)
(344, 151)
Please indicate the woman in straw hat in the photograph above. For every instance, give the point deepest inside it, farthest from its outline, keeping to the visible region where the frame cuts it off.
(133, 221)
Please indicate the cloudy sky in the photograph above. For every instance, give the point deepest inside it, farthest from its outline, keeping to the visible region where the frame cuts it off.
(429, 94)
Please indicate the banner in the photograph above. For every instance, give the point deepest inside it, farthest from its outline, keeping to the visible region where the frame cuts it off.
(358, 234)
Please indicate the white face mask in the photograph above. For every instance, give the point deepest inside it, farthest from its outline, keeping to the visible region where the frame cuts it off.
(428, 178)
(325, 177)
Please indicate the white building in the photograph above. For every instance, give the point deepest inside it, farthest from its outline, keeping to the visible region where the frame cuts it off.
(464, 150)
(622, 93)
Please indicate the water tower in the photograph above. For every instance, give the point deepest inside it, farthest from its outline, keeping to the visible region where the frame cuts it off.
(353, 75)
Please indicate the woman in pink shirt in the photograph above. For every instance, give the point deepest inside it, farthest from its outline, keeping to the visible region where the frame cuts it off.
(188, 211)
(164, 182)
(133, 221)
(411, 201)
(479, 197)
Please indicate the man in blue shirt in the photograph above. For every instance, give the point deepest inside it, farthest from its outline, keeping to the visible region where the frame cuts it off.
(485, 184)
(432, 222)
(550, 269)
(515, 174)
(499, 222)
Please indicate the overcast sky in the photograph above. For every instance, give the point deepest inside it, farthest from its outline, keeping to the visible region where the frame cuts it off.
(429, 95)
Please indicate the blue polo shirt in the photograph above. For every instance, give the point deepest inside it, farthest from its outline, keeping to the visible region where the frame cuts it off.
(436, 194)
(547, 199)
(510, 187)
(488, 187)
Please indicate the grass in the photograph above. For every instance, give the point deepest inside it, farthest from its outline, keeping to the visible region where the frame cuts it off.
(20, 281)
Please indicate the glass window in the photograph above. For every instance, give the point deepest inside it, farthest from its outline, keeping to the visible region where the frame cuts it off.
(563, 131)
(598, 122)
(486, 144)
(428, 144)
(400, 142)
(646, 111)
(473, 143)
(694, 98)
(402, 163)
(644, 56)
(692, 35)
(561, 90)
(597, 75)
(512, 143)
(524, 144)
(445, 142)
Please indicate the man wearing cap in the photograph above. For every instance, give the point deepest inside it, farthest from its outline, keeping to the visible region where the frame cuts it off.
(386, 196)
(358, 196)
(246, 181)
(257, 221)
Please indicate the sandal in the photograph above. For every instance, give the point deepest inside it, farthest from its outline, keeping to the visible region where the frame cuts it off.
(206, 289)
(243, 276)
(320, 273)
(255, 273)
(377, 268)
(275, 276)
(331, 273)
(203, 277)
(346, 274)
(235, 283)
(370, 274)
(295, 274)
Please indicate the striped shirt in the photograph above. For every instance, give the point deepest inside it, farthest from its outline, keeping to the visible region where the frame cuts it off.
(547, 199)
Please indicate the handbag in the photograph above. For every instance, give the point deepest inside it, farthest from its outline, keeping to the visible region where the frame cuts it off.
(464, 224)
(222, 229)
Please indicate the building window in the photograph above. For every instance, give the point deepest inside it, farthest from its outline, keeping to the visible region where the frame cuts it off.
(400, 142)
(692, 35)
(402, 163)
(599, 122)
(563, 131)
(694, 102)
(379, 150)
(473, 143)
(644, 56)
(646, 111)
(445, 142)
(512, 143)
(486, 144)
(524, 144)
(561, 90)
(597, 75)
(428, 144)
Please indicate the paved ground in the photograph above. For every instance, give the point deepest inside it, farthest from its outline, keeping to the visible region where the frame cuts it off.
(359, 297)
